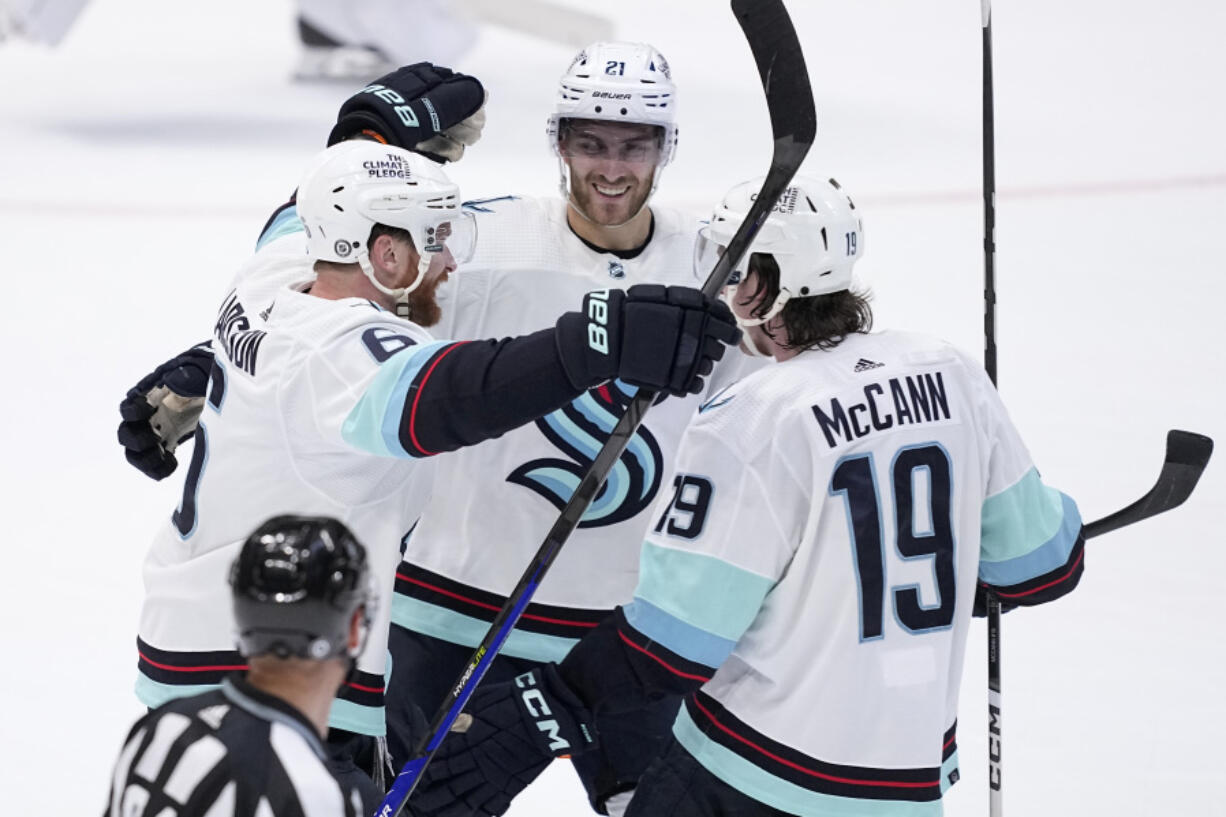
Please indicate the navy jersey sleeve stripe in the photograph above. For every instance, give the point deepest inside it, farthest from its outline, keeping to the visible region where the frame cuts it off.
(478, 390)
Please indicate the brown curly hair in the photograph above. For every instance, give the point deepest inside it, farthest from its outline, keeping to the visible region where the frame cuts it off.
(816, 322)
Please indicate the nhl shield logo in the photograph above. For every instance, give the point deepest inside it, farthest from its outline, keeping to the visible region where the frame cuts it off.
(616, 270)
(342, 248)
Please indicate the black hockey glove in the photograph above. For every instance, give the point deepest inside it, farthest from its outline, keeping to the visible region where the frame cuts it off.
(508, 734)
(162, 409)
(656, 337)
(424, 108)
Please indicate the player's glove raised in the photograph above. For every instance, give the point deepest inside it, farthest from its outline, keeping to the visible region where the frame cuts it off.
(510, 733)
(161, 411)
(656, 337)
(424, 108)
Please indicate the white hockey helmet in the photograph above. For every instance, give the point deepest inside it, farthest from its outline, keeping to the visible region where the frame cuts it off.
(619, 82)
(813, 232)
(354, 185)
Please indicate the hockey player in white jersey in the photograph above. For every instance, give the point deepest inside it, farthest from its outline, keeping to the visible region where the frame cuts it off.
(614, 131)
(810, 581)
(325, 402)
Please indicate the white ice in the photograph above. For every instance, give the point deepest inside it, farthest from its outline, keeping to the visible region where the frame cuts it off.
(139, 160)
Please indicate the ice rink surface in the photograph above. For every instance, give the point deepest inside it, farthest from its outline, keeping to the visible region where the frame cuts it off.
(139, 161)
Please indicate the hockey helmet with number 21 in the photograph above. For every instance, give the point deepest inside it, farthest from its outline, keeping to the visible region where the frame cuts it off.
(619, 82)
(813, 232)
(352, 186)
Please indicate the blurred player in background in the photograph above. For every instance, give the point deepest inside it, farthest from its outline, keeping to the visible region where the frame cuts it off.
(358, 40)
(40, 21)
(809, 584)
(301, 594)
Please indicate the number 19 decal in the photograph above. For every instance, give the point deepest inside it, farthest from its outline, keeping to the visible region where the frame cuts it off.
(686, 515)
(856, 480)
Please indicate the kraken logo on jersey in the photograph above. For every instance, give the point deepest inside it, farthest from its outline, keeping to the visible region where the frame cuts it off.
(580, 430)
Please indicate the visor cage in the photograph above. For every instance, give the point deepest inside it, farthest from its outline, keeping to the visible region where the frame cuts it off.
(456, 231)
(577, 142)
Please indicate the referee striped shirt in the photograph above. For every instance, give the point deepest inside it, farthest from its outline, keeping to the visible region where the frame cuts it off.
(231, 752)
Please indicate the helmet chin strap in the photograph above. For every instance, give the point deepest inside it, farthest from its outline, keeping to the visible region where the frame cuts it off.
(569, 195)
(400, 295)
(780, 301)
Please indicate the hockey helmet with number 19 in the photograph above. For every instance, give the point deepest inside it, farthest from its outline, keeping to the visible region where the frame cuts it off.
(352, 186)
(619, 82)
(297, 583)
(813, 232)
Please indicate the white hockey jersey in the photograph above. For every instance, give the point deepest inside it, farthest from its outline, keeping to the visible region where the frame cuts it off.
(302, 394)
(832, 517)
(495, 502)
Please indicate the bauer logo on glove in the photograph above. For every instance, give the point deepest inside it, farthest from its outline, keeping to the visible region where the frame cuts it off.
(424, 108)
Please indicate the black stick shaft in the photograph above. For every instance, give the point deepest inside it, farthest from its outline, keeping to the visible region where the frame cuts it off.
(995, 768)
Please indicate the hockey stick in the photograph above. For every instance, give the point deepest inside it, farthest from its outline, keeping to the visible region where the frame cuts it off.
(1187, 454)
(995, 795)
(789, 99)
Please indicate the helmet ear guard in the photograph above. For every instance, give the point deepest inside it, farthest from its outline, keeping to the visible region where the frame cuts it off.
(813, 232)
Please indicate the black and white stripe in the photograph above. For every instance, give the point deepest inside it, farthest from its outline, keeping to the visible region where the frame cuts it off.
(232, 752)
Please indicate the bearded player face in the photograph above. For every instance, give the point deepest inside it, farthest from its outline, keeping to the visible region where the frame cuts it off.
(423, 303)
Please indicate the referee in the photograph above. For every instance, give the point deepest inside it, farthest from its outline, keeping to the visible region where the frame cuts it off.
(253, 747)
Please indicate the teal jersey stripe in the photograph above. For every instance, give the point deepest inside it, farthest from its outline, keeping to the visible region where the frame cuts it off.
(457, 628)
(1019, 519)
(684, 639)
(702, 591)
(373, 425)
(761, 785)
(153, 694)
(365, 720)
(1028, 530)
(286, 223)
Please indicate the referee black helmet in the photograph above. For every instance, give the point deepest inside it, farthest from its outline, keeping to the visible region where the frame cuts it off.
(297, 583)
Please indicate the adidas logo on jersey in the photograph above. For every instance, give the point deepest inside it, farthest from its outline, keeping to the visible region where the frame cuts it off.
(864, 364)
